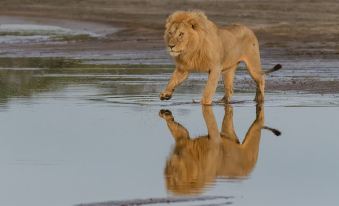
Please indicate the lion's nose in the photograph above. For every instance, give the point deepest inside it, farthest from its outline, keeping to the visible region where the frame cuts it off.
(171, 46)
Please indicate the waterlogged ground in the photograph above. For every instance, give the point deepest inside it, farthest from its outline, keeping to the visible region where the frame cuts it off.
(73, 133)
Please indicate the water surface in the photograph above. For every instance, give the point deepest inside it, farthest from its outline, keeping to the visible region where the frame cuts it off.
(72, 136)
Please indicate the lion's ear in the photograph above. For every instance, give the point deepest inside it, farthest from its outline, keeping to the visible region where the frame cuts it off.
(198, 20)
(194, 24)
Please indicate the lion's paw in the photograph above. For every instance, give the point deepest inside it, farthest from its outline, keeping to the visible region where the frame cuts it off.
(165, 96)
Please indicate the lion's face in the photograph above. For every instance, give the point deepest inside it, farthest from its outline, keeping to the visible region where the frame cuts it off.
(177, 38)
(184, 32)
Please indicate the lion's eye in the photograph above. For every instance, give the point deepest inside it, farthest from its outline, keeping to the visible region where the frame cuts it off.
(181, 34)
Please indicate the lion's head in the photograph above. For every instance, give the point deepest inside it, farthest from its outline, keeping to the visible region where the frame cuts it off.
(184, 31)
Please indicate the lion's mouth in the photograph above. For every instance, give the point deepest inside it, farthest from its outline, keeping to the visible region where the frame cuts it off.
(174, 53)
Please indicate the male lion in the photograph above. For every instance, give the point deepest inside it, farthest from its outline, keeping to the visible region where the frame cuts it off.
(196, 163)
(197, 44)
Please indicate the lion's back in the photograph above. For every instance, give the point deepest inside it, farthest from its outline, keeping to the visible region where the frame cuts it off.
(239, 31)
(237, 40)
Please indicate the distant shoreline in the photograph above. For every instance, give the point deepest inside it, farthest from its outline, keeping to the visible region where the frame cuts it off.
(295, 28)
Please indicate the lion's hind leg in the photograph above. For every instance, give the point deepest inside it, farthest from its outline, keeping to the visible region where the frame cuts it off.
(252, 61)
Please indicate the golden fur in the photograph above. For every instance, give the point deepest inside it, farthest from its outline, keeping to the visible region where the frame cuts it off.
(196, 163)
(197, 44)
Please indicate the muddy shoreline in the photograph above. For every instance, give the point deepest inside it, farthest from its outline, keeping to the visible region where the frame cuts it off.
(300, 35)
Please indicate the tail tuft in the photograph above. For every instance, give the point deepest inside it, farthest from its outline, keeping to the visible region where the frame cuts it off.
(275, 131)
(275, 68)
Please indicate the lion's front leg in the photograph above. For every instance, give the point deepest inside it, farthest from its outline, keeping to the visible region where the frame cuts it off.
(178, 131)
(177, 78)
(211, 86)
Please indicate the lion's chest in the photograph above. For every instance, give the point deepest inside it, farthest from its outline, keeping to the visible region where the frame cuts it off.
(197, 63)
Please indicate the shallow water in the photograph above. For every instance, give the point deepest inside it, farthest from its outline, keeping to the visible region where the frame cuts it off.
(24, 33)
(95, 135)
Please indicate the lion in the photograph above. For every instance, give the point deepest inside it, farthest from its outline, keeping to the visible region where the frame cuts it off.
(197, 44)
(196, 163)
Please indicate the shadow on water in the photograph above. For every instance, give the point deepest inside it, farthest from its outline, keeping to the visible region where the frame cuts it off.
(196, 163)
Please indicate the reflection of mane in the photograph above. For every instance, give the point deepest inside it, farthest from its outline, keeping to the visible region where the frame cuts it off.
(195, 163)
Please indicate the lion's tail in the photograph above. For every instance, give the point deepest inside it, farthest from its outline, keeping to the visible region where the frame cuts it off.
(275, 68)
(275, 131)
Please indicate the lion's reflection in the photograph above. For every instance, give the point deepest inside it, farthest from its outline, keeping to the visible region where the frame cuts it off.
(196, 163)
